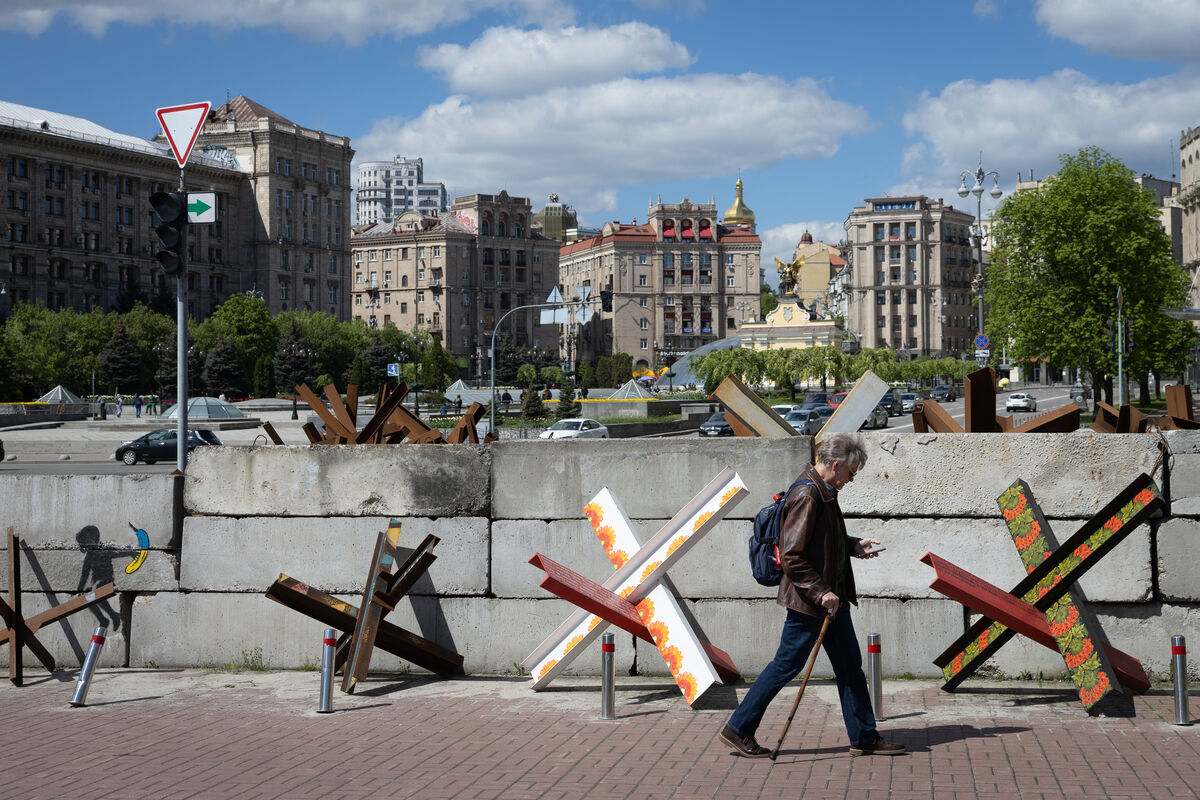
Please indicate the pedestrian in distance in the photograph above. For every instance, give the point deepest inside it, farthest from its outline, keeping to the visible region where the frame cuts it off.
(118, 408)
(137, 405)
(152, 405)
(458, 403)
(818, 581)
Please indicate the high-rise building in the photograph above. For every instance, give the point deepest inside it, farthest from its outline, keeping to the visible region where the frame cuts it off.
(457, 274)
(386, 189)
(1189, 202)
(77, 227)
(297, 182)
(679, 281)
(909, 285)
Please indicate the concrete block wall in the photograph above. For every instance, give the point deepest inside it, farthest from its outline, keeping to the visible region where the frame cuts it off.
(248, 514)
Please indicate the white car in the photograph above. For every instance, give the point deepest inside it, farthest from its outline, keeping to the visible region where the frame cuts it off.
(575, 429)
(1019, 401)
(784, 410)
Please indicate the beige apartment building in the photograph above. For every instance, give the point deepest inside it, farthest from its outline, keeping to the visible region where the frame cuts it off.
(909, 285)
(78, 230)
(297, 181)
(457, 274)
(1189, 202)
(682, 279)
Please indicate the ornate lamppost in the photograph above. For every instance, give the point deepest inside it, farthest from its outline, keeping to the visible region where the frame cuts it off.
(977, 234)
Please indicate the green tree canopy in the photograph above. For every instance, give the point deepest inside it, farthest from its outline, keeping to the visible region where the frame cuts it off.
(526, 375)
(246, 323)
(1059, 254)
(222, 371)
(292, 362)
(120, 365)
(767, 301)
(438, 367)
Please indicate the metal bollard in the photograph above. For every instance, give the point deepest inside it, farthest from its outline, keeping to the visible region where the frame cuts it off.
(1179, 661)
(327, 648)
(89, 668)
(607, 688)
(875, 673)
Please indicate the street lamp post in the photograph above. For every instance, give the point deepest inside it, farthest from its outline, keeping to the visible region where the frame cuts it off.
(977, 280)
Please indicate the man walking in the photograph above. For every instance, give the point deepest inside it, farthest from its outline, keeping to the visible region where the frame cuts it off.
(814, 553)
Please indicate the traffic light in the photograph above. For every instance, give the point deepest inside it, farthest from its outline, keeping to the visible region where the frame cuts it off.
(171, 210)
(605, 300)
(1111, 328)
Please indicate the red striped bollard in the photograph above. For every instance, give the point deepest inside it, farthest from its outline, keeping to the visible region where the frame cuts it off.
(875, 673)
(1179, 662)
(327, 648)
(88, 668)
(607, 687)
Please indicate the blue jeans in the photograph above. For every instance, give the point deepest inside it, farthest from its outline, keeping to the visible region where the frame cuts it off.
(795, 644)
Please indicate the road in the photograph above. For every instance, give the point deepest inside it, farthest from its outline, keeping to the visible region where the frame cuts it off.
(1048, 398)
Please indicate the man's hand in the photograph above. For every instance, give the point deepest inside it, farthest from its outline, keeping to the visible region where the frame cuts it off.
(863, 548)
(830, 602)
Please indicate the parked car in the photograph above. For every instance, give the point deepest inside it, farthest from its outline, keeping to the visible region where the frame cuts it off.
(716, 426)
(891, 401)
(784, 409)
(943, 394)
(799, 418)
(575, 429)
(160, 445)
(835, 400)
(878, 418)
(908, 401)
(816, 419)
(814, 399)
(1020, 401)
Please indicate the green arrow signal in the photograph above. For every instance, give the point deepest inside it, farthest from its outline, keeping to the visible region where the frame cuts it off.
(198, 207)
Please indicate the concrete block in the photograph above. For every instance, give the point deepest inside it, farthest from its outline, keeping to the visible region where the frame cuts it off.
(348, 481)
(652, 478)
(224, 554)
(68, 639)
(1145, 630)
(189, 629)
(1178, 555)
(1184, 471)
(984, 547)
(749, 630)
(76, 571)
(957, 475)
(65, 511)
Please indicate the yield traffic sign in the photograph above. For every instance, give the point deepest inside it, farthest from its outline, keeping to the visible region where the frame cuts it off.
(202, 207)
(182, 126)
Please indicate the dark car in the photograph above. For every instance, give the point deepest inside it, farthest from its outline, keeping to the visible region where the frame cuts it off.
(813, 399)
(878, 418)
(716, 426)
(891, 401)
(160, 445)
(943, 394)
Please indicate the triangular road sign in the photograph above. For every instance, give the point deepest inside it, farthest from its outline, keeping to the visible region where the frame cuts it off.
(182, 125)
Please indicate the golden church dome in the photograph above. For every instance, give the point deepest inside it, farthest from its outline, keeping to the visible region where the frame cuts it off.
(739, 213)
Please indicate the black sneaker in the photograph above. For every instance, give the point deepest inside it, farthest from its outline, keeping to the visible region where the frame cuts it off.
(879, 747)
(742, 745)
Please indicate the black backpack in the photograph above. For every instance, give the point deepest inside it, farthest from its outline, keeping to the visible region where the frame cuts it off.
(764, 542)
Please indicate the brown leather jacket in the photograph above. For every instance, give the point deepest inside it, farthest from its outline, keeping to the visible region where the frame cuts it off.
(808, 547)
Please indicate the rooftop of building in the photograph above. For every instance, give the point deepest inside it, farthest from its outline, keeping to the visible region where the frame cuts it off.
(52, 123)
(645, 233)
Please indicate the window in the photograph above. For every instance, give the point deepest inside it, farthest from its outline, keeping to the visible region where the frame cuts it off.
(881, 277)
(642, 280)
(641, 258)
(287, 166)
(387, 276)
(358, 299)
(373, 255)
(895, 298)
(668, 261)
(333, 294)
(912, 320)
(643, 341)
(880, 298)
(437, 251)
(881, 323)
(333, 265)
(387, 298)
(285, 290)
(420, 274)
(729, 281)
(912, 298)
(644, 324)
(420, 296)
(403, 281)
(643, 302)
(404, 308)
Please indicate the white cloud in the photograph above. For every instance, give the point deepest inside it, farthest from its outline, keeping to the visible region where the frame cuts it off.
(350, 20)
(1026, 124)
(585, 142)
(510, 61)
(780, 242)
(986, 8)
(1156, 29)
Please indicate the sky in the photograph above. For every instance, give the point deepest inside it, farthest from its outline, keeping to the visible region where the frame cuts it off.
(612, 104)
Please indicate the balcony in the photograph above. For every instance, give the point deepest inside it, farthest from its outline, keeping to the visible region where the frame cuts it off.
(371, 285)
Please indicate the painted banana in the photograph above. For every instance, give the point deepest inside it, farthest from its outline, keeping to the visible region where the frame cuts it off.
(144, 543)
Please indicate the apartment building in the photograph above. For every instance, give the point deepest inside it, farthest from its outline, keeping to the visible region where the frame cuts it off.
(296, 181)
(681, 280)
(457, 274)
(387, 189)
(77, 224)
(909, 283)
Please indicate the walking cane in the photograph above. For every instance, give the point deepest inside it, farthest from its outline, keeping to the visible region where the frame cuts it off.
(812, 660)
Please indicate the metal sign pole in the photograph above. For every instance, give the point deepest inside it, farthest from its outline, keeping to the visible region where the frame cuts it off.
(181, 351)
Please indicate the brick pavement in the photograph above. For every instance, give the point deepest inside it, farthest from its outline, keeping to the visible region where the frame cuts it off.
(197, 734)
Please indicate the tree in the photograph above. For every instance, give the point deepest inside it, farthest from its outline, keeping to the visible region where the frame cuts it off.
(244, 321)
(334, 345)
(767, 301)
(526, 375)
(551, 375)
(532, 406)
(604, 375)
(1059, 255)
(264, 377)
(787, 368)
(587, 377)
(567, 407)
(222, 370)
(119, 364)
(292, 362)
(714, 366)
(438, 367)
(622, 369)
